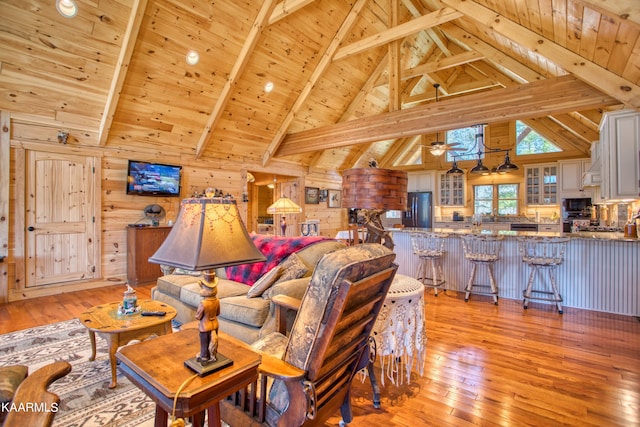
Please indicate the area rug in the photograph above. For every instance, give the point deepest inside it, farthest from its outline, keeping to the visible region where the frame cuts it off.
(85, 397)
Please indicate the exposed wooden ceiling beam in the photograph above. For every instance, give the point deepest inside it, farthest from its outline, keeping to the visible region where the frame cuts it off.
(442, 64)
(120, 72)
(559, 95)
(585, 70)
(403, 30)
(286, 8)
(323, 64)
(236, 72)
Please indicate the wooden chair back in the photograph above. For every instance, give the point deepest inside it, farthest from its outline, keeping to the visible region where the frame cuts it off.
(356, 234)
(329, 341)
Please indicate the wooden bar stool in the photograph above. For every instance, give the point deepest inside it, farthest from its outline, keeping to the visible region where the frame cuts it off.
(429, 247)
(356, 235)
(545, 253)
(482, 250)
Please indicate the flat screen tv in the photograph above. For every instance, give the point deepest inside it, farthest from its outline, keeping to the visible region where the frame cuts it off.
(153, 179)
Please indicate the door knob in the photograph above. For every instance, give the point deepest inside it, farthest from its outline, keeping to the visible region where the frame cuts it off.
(31, 228)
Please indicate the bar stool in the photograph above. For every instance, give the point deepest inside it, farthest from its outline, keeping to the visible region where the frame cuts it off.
(545, 253)
(482, 250)
(429, 247)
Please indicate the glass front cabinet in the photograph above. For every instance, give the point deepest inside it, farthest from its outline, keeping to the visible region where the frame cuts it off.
(541, 184)
(452, 189)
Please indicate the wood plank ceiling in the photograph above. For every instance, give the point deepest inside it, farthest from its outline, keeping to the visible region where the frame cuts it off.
(353, 80)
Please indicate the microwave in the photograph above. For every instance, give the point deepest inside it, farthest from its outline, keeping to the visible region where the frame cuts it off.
(576, 208)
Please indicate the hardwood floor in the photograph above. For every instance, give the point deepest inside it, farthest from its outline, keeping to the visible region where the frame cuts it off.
(485, 365)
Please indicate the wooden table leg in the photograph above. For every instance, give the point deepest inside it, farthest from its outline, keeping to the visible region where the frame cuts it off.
(92, 340)
(213, 412)
(161, 417)
(113, 340)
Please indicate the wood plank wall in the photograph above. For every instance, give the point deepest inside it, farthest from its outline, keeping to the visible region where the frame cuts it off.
(118, 209)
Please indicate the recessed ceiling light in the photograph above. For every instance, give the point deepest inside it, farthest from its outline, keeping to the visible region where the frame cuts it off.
(192, 57)
(268, 87)
(67, 8)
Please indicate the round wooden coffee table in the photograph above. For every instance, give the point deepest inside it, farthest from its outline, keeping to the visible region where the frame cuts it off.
(119, 329)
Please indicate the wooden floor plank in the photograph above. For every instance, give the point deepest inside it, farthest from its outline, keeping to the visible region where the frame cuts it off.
(486, 365)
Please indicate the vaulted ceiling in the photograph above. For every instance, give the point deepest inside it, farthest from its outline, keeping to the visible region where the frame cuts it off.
(352, 80)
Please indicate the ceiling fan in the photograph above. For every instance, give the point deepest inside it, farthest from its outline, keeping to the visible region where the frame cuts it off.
(438, 148)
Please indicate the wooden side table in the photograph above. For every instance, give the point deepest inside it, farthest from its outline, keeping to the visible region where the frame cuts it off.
(157, 368)
(118, 330)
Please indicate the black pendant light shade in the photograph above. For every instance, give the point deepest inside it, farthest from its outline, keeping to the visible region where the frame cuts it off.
(480, 169)
(455, 170)
(507, 166)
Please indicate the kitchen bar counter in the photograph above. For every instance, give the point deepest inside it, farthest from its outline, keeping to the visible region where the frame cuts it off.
(600, 271)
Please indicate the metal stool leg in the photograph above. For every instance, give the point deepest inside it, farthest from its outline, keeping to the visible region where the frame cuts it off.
(527, 292)
(556, 294)
(434, 276)
(470, 283)
(492, 282)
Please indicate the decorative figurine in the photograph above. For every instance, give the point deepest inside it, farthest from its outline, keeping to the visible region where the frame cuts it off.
(129, 302)
(207, 312)
(283, 225)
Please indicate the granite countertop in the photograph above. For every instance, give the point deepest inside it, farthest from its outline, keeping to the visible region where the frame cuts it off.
(579, 235)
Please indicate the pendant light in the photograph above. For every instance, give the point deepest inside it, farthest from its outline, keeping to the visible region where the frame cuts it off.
(480, 169)
(455, 170)
(507, 166)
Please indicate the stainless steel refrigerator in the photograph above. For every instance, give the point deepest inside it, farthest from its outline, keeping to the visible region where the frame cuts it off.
(419, 211)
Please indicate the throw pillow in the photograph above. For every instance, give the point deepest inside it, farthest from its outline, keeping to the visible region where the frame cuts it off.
(264, 283)
(292, 268)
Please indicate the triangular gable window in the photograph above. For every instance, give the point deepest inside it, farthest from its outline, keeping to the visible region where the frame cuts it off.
(528, 141)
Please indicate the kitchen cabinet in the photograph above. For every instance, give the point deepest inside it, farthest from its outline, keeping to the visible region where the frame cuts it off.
(496, 226)
(452, 189)
(421, 181)
(570, 181)
(550, 228)
(620, 152)
(142, 242)
(541, 184)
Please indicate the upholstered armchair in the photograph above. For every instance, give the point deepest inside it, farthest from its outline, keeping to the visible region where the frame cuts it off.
(306, 377)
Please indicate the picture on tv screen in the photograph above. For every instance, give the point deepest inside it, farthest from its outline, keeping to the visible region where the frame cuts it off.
(153, 179)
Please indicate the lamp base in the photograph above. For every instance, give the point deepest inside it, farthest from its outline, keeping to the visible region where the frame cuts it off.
(209, 368)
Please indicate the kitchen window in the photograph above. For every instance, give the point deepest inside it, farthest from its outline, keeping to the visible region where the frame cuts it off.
(497, 198)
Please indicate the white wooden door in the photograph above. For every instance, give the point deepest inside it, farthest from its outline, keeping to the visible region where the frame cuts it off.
(60, 229)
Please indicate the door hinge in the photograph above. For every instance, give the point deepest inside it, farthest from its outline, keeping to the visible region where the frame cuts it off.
(93, 219)
(93, 269)
(93, 169)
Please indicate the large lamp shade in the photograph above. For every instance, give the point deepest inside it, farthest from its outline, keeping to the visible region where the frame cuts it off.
(208, 233)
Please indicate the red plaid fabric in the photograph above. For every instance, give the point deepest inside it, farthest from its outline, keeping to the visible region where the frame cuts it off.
(275, 249)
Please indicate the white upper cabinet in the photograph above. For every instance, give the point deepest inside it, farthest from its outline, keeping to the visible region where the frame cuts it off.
(620, 155)
(541, 184)
(452, 188)
(421, 181)
(570, 179)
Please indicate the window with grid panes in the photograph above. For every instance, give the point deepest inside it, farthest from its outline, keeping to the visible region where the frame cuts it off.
(499, 198)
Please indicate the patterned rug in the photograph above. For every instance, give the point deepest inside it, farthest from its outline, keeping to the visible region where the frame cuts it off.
(85, 397)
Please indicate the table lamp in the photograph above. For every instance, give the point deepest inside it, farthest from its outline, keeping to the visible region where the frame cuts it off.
(207, 234)
(375, 190)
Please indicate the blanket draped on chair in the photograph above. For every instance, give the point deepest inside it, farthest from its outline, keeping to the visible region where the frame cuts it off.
(275, 249)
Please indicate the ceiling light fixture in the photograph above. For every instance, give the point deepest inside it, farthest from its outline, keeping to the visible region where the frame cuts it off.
(455, 170)
(479, 168)
(67, 8)
(268, 87)
(437, 148)
(192, 57)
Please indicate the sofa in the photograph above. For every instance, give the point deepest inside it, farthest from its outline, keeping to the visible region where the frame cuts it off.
(246, 311)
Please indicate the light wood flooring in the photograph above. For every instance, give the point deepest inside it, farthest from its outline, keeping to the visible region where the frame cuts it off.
(486, 365)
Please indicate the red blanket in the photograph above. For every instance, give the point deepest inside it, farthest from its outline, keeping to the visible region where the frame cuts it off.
(275, 249)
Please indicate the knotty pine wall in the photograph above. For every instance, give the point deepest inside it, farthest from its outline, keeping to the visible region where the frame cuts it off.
(118, 209)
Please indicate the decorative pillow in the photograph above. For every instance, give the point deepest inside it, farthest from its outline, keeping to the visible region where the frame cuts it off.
(264, 283)
(10, 378)
(292, 268)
